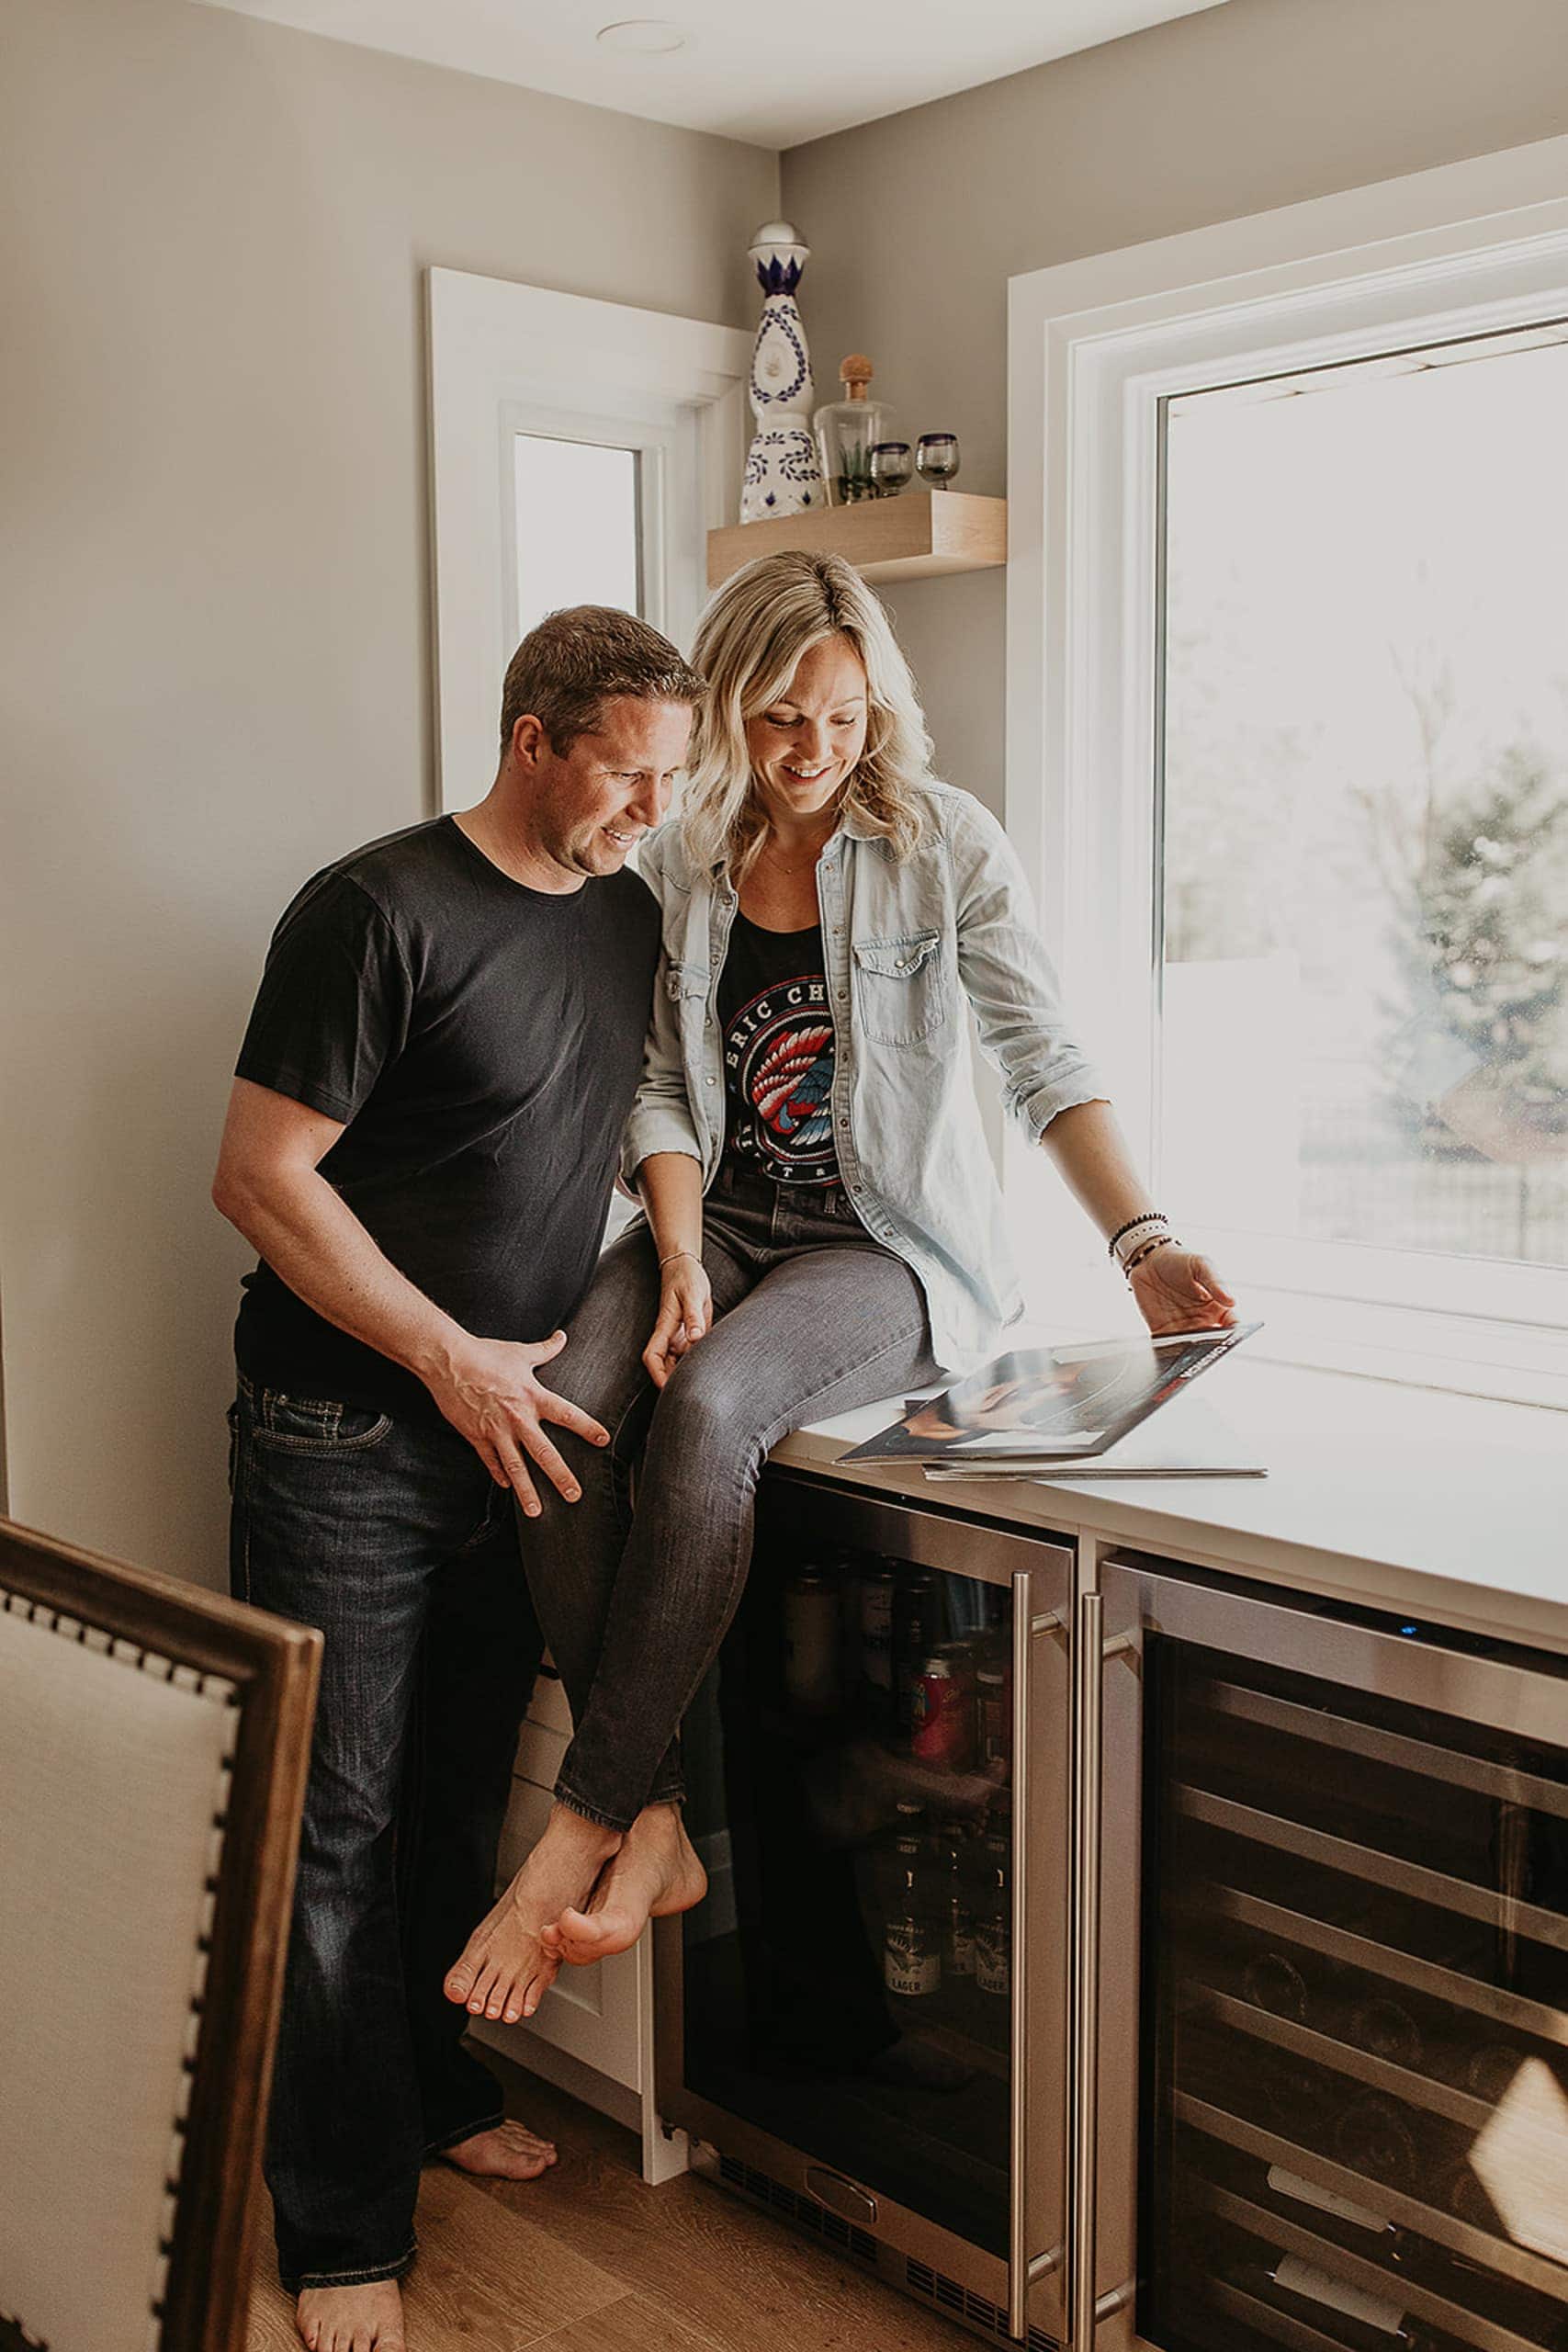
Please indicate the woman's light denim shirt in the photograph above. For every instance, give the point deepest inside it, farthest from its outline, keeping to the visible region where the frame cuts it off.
(905, 943)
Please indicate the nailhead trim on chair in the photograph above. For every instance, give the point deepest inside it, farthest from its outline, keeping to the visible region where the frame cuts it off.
(219, 1690)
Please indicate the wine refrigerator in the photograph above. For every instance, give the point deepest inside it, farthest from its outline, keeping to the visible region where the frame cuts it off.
(1325, 1932)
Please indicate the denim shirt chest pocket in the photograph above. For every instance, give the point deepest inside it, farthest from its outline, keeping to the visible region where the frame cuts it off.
(900, 992)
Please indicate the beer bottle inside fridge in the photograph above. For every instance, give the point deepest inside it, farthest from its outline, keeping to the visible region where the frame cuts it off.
(912, 1939)
(993, 1922)
(877, 1587)
(993, 1716)
(957, 1907)
(811, 1642)
(917, 1611)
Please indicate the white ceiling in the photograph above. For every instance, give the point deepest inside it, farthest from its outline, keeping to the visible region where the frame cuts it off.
(773, 71)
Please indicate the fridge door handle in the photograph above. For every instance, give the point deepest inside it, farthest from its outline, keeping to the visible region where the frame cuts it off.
(1091, 1655)
(1022, 2270)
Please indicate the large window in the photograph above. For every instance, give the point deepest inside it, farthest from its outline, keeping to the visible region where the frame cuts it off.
(1288, 753)
(1364, 868)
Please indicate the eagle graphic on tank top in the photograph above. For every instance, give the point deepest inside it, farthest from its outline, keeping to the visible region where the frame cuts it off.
(778, 1052)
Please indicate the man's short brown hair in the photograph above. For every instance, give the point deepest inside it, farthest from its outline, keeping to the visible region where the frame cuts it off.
(578, 659)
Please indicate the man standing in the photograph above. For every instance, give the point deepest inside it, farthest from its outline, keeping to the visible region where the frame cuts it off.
(420, 1144)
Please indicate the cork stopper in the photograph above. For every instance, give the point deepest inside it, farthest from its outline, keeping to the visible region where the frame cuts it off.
(855, 373)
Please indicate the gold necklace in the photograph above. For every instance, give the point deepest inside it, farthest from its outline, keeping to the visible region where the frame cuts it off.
(801, 865)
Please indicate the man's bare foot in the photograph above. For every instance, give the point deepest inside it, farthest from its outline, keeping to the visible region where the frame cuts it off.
(352, 2319)
(504, 1970)
(506, 2151)
(655, 1873)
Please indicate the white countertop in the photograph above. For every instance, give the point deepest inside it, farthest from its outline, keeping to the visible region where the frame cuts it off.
(1407, 1499)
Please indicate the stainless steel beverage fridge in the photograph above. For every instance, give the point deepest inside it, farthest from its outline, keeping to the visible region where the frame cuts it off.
(1333, 1892)
(864, 2027)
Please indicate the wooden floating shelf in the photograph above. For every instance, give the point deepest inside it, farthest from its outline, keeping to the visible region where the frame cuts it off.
(916, 535)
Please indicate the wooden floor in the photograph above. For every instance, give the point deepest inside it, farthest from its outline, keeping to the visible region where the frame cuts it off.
(589, 2259)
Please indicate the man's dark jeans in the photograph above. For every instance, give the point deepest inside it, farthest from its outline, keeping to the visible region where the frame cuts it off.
(390, 1536)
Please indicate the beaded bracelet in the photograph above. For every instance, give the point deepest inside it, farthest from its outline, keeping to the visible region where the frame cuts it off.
(1150, 1217)
(1160, 1241)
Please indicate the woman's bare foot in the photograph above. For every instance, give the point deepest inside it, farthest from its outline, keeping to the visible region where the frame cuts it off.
(655, 1873)
(504, 1970)
(352, 2319)
(506, 2151)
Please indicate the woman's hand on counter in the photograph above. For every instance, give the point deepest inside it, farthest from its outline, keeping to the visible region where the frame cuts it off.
(1178, 1291)
(685, 1316)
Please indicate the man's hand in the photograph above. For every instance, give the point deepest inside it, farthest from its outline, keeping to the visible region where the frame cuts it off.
(685, 1316)
(488, 1391)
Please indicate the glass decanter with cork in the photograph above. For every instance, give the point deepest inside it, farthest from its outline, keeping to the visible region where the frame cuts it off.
(848, 430)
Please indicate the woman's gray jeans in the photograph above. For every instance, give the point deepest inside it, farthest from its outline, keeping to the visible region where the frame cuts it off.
(811, 1316)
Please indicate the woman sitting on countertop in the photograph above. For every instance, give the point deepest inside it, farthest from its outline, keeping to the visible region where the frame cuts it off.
(822, 1224)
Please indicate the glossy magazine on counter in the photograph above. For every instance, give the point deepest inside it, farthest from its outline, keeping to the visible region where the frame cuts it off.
(1038, 1406)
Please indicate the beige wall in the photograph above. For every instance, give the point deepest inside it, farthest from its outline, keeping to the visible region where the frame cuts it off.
(917, 222)
(214, 667)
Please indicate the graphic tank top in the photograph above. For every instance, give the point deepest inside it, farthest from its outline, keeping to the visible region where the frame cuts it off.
(778, 1054)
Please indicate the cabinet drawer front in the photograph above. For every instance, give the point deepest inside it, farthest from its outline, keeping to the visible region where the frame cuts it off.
(591, 2013)
(548, 1705)
(539, 1754)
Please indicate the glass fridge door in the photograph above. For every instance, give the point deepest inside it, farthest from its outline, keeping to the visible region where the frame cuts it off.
(849, 1990)
(1353, 2100)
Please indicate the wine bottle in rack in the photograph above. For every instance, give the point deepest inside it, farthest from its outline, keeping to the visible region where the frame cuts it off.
(1384, 2027)
(1297, 2100)
(1273, 1981)
(1296, 2190)
(1306, 2289)
(1373, 2137)
(1457, 2191)
(1489, 2069)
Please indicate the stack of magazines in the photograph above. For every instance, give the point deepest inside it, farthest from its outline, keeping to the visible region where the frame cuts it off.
(1071, 1412)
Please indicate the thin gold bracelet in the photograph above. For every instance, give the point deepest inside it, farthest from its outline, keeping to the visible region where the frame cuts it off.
(681, 1253)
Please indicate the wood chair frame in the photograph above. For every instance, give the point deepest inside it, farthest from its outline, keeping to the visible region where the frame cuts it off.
(275, 1668)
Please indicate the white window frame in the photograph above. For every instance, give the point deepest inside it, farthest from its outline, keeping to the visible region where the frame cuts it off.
(655, 432)
(1096, 346)
(506, 359)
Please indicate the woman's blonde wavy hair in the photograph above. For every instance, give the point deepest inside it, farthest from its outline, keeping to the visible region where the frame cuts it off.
(752, 633)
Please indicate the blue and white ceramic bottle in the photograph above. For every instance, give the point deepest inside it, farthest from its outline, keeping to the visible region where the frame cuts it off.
(783, 476)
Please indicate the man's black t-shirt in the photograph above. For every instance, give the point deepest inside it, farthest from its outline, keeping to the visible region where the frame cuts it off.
(481, 1043)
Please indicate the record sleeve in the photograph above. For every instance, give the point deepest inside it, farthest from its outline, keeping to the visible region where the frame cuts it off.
(1038, 1406)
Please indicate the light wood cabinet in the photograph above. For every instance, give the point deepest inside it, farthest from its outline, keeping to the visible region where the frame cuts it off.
(592, 2034)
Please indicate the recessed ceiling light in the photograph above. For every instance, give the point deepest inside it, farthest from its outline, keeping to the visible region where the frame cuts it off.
(644, 35)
